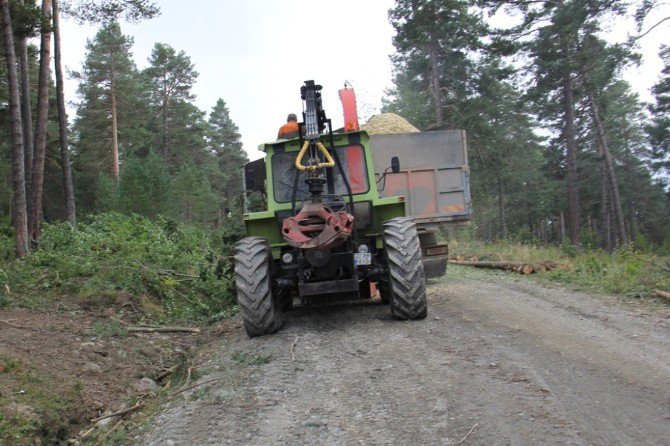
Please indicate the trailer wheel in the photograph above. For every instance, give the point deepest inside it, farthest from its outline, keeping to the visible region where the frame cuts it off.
(260, 313)
(406, 285)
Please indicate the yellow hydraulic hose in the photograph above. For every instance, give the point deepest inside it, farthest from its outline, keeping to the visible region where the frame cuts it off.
(330, 162)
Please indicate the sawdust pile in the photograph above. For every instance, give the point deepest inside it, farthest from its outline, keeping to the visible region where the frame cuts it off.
(388, 123)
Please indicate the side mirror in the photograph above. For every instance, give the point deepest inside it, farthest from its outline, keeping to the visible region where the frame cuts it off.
(395, 164)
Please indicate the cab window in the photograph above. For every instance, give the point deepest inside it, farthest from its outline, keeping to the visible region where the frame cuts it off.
(353, 163)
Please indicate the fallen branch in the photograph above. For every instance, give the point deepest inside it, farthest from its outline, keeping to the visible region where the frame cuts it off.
(167, 272)
(652, 263)
(101, 439)
(664, 294)
(292, 349)
(11, 325)
(21, 327)
(166, 373)
(165, 329)
(138, 405)
(472, 429)
(193, 387)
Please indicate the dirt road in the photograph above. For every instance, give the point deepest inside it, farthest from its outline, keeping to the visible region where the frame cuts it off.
(499, 360)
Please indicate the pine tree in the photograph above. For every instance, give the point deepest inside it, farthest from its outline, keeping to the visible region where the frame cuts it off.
(36, 185)
(20, 218)
(659, 128)
(112, 116)
(225, 143)
(434, 42)
(66, 165)
(171, 76)
(551, 34)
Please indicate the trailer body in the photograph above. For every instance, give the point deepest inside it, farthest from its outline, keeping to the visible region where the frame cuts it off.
(434, 178)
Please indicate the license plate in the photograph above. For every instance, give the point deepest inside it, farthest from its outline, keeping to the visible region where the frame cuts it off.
(362, 258)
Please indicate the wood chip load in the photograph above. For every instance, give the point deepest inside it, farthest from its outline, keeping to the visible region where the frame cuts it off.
(387, 124)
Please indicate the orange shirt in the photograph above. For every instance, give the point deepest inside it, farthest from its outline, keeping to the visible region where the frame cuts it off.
(288, 130)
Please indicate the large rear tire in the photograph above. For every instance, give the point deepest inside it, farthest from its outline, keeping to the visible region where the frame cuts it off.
(260, 312)
(406, 285)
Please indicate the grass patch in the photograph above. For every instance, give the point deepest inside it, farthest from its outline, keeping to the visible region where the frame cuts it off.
(622, 272)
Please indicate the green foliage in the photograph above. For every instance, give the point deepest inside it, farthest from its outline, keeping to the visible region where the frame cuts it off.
(659, 128)
(434, 42)
(515, 116)
(624, 272)
(144, 187)
(110, 10)
(111, 255)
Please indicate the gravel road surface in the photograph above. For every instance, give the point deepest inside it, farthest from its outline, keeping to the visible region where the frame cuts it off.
(500, 360)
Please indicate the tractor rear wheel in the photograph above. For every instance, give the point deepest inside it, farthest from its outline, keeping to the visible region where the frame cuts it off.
(405, 287)
(260, 313)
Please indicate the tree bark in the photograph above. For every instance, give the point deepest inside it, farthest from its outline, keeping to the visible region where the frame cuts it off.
(165, 127)
(604, 210)
(115, 131)
(66, 166)
(502, 227)
(18, 162)
(609, 169)
(26, 106)
(571, 156)
(37, 180)
(435, 85)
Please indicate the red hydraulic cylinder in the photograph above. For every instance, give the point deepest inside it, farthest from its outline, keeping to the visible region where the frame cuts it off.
(348, 98)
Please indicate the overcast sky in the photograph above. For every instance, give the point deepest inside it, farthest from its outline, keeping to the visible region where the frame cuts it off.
(255, 54)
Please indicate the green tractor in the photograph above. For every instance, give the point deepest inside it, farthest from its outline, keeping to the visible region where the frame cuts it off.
(326, 234)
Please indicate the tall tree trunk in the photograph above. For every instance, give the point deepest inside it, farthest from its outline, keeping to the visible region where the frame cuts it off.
(609, 168)
(115, 133)
(630, 204)
(165, 129)
(571, 155)
(502, 227)
(605, 210)
(26, 106)
(435, 85)
(37, 180)
(561, 222)
(66, 166)
(18, 162)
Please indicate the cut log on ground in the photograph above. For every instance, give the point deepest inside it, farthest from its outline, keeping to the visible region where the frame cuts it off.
(518, 267)
(664, 294)
(162, 330)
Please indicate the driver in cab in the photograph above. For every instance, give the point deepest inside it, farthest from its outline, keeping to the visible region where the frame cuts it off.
(290, 129)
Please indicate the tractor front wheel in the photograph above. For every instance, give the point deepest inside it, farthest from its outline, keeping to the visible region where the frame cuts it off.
(405, 287)
(260, 313)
